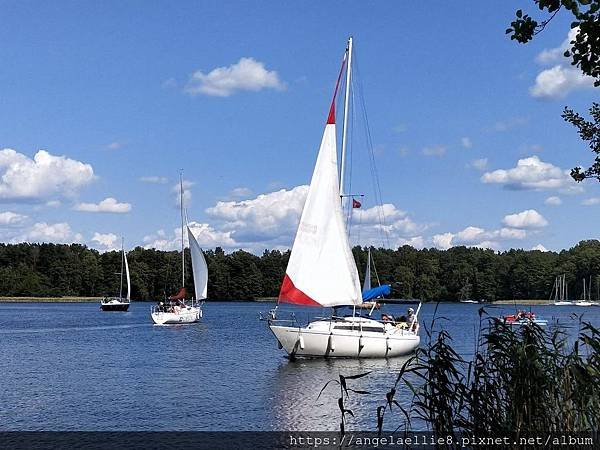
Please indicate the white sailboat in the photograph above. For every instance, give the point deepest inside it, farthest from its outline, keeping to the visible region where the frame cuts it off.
(560, 292)
(119, 303)
(322, 272)
(586, 300)
(176, 309)
(465, 294)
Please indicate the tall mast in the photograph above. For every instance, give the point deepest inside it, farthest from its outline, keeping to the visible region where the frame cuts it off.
(345, 125)
(182, 242)
(122, 258)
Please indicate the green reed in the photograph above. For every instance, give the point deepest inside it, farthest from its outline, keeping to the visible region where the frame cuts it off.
(520, 380)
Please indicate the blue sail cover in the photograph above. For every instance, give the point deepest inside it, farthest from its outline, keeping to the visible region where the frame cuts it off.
(376, 292)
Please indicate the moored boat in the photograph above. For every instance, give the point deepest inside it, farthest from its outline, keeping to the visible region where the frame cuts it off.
(560, 291)
(524, 318)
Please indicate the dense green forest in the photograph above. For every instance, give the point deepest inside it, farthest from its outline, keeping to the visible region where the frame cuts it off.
(429, 274)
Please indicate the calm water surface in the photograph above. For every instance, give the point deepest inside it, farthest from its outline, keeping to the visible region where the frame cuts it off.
(70, 366)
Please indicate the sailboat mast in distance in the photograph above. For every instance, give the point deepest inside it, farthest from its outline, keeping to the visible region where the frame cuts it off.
(182, 241)
(121, 283)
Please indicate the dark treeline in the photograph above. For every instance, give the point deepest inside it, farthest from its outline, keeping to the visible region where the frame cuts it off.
(51, 270)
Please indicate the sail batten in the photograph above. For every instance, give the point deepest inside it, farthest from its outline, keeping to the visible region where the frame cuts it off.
(199, 267)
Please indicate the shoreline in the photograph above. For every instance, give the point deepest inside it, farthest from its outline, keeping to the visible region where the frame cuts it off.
(69, 299)
(50, 299)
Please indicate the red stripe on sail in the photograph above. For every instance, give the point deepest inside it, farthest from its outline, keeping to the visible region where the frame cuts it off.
(331, 117)
(291, 294)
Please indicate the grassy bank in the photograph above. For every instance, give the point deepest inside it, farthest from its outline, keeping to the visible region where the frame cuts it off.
(260, 300)
(521, 302)
(49, 299)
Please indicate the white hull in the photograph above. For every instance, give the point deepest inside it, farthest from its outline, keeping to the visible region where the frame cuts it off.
(540, 322)
(562, 303)
(346, 338)
(584, 303)
(191, 314)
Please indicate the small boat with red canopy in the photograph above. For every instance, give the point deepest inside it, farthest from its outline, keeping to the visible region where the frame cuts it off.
(524, 318)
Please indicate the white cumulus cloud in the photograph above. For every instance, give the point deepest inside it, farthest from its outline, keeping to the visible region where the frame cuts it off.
(205, 234)
(49, 232)
(558, 81)
(268, 217)
(539, 247)
(108, 241)
(561, 79)
(525, 219)
(247, 74)
(478, 237)
(532, 174)
(46, 175)
(108, 205)
(11, 218)
(553, 201)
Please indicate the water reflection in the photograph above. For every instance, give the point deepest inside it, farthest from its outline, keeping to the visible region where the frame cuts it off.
(297, 405)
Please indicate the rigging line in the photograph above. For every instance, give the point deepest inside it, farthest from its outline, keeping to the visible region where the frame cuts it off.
(373, 166)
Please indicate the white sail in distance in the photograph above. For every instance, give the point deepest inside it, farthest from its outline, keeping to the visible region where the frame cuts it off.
(127, 275)
(367, 282)
(199, 267)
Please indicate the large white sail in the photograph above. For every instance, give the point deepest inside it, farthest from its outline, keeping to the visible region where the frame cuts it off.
(199, 267)
(127, 275)
(321, 270)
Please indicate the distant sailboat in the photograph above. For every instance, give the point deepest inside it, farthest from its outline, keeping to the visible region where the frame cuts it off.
(371, 294)
(560, 291)
(586, 299)
(465, 294)
(176, 309)
(119, 303)
(322, 272)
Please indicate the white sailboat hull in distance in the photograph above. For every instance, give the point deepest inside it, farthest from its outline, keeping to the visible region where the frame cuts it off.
(345, 338)
(584, 303)
(190, 314)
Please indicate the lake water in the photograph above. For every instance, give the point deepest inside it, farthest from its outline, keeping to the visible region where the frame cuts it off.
(70, 366)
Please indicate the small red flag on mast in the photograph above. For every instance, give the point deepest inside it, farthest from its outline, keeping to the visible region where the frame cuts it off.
(356, 203)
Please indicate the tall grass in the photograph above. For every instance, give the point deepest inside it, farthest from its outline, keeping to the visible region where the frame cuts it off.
(520, 380)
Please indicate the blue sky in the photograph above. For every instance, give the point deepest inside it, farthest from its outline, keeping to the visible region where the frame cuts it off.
(119, 96)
